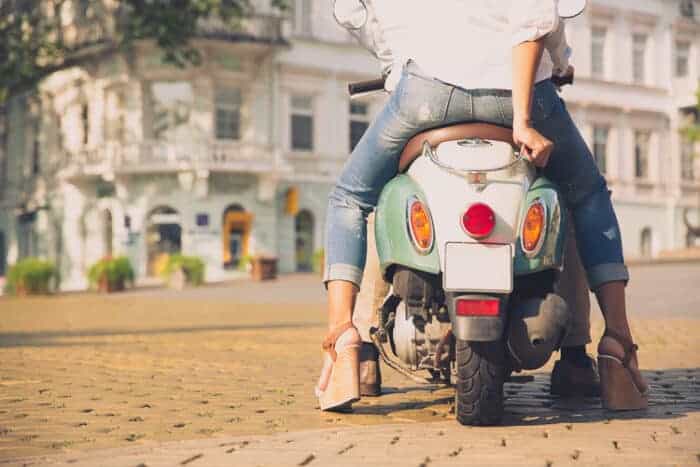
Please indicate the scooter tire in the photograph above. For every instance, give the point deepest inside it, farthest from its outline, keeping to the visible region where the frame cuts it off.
(480, 377)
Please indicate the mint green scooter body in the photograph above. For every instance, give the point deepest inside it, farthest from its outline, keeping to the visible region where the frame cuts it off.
(551, 256)
(394, 243)
(395, 246)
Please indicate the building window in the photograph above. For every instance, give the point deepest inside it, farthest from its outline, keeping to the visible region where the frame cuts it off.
(83, 10)
(3, 155)
(600, 146)
(202, 219)
(359, 121)
(646, 242)
(687, 161)
(682, 57)
(641, 154)
(598, 52)
(302, 123)
(639, 47)
(85, 123)
(228, 114)
(3, 254)
(301, 17)
(171, 104)
(36, 154)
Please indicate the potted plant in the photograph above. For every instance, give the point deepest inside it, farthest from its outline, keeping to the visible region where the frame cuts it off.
(184, 270)
(245, 263)
(31, 276)
(111, 274)
(318, 260)
(264, 267)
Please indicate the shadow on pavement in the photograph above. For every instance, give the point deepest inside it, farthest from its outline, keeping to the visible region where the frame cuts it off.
(674, 394)
(52, 338)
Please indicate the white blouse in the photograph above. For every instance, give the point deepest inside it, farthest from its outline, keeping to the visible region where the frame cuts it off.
(467, 43)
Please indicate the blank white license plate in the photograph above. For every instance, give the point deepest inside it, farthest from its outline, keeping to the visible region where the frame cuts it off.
(478, 267)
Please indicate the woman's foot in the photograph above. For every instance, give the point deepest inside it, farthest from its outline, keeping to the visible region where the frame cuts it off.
(623, 386)
(339, 384)
(575, 374)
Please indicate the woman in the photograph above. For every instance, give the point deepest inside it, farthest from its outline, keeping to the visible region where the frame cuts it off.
(497, 75)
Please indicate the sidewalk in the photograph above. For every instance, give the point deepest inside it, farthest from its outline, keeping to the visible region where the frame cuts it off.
(665, 437)
(158, 378)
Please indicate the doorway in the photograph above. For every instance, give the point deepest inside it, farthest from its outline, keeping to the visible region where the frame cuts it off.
(236, 227)
(163, 238)
(107, 232)
(304, 240)
(645, 247)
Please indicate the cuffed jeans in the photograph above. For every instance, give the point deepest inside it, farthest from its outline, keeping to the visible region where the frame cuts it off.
(420, 103)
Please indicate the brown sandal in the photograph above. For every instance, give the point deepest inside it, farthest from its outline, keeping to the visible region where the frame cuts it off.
(618, 388)
(343, 386)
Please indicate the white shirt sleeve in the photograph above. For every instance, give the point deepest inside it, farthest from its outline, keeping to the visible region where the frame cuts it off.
(532, 19)
(371, 37)
(559, 50)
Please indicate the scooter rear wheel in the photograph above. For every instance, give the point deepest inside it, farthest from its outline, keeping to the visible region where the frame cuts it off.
(480, 377)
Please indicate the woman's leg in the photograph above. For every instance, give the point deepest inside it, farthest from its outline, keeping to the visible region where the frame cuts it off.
(416, 104)
(597, 232)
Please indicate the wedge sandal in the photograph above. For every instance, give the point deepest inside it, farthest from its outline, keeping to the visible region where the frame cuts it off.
(343, 387)
(618, 388)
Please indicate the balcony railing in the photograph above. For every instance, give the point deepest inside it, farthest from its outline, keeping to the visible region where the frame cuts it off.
(163, 156)
(256, 28)
(313, 165)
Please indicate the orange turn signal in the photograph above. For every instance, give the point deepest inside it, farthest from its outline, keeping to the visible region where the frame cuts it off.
(533, 227)
(420, 225)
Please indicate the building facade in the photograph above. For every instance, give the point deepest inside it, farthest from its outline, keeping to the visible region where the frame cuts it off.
(637, 72)
(236, 157)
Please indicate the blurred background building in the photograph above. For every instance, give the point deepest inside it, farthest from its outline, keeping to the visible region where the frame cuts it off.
(236, 157)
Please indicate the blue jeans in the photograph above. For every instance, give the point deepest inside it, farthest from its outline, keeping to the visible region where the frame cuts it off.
(420, 103)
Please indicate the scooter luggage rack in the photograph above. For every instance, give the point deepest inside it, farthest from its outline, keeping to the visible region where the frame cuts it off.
(428, 152)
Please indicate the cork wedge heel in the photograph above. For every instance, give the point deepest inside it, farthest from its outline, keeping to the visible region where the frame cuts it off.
(619, 391)
(343, 386)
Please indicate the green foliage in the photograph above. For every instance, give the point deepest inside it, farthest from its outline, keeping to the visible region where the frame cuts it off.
(111, 273)
(317, 260)
(191, 266)
(30, 276)
(692, 131)
(244, 263)
(33, 44)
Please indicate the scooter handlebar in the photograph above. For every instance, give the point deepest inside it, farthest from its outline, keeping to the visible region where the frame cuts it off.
(366, 86)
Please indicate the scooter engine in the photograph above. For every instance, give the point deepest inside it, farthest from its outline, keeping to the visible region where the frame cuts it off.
(417, 342)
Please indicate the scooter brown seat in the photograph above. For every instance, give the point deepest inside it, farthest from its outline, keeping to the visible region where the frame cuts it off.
(455, 132)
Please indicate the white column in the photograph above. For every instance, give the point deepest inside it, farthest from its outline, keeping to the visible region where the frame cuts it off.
(73, 242)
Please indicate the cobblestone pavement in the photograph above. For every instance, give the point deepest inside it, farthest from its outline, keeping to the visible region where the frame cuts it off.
(127, 379)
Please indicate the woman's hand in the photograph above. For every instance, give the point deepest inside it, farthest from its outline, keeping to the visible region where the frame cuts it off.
(535, 147)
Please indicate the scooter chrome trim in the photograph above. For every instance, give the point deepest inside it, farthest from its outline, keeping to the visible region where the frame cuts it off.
(430, 154)
(540, 241)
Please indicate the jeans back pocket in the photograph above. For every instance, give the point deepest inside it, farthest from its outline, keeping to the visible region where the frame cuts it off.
(544, 101)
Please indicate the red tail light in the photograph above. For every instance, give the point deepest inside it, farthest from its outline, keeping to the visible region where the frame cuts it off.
(479, 220)
(472, 307)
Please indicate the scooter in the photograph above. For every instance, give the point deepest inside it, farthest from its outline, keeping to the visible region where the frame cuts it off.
(471, 238)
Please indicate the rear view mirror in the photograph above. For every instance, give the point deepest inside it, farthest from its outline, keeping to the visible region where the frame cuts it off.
(571, 8)
(350, 14)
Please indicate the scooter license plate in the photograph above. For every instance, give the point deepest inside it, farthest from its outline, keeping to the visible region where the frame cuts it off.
(478, 267)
